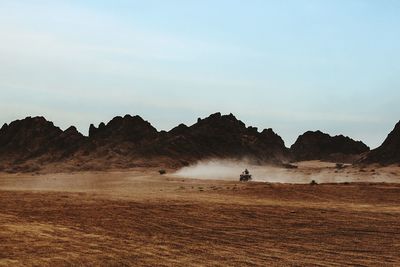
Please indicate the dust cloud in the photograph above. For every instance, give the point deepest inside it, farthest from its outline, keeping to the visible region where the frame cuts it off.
(231, 169)
(321, 172)
(214, 169)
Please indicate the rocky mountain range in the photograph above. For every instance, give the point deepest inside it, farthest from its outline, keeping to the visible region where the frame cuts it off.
(34, 144)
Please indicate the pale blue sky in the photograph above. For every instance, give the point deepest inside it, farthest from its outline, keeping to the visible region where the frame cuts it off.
(290, 65)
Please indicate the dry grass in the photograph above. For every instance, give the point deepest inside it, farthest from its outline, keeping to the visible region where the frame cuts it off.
(140, 219)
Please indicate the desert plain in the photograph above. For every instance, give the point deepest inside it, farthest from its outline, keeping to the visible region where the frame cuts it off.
(138, 217)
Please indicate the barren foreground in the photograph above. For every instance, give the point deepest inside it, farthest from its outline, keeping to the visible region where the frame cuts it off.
(139, 218)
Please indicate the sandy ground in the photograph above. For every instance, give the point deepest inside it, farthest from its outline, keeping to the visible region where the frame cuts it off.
(139, 218)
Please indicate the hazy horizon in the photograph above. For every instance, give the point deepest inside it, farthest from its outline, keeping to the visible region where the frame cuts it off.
(292, 66)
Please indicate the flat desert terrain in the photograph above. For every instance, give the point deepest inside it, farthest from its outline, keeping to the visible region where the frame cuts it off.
(141, 218)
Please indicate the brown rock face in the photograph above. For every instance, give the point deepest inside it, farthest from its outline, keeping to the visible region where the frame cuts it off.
(120, 129)
(389, 151)
(220, 136)
(321, 146)
(131, 141)
(116, 144)
(34, 138)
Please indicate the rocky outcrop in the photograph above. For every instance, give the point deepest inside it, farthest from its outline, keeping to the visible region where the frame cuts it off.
(130, 141)
(321, 146)
(388, 152)
(37, 139)
(220, 136)
(121, 129)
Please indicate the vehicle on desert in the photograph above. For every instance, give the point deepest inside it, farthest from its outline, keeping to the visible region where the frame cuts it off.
(245, 176)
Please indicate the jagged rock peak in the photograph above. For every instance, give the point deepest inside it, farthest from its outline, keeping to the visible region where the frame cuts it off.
(127, 128)
(218, 120)
(318, 145)
(37, 137)
(180, 129)
(271, 136)
(389, 151)
(72, 131)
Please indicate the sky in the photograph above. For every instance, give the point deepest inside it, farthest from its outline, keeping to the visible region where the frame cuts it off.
(288, 65)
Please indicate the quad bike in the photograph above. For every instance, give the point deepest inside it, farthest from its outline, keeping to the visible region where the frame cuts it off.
(245, 176)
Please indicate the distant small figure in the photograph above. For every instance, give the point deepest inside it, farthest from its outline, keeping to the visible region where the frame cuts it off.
(162, 171)
(245, 176)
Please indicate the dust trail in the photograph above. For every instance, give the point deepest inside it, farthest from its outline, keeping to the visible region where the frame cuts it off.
(214, 169)
(322, 173)
(231, 169)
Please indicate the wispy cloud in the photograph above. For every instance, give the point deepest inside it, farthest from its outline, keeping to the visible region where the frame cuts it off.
(269, 64)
